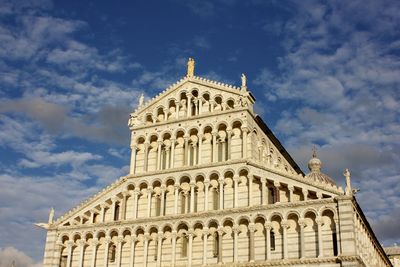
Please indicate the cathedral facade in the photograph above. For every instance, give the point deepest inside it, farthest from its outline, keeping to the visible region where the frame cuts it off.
(210, 184)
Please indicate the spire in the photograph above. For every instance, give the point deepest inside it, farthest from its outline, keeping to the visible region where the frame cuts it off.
(315, 164)
(190, 67)
(314, 152)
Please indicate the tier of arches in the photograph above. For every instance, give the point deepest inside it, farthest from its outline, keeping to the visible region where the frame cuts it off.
(192, 194)
(296, 234)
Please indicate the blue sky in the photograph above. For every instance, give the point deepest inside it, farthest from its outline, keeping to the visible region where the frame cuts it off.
(323, 72)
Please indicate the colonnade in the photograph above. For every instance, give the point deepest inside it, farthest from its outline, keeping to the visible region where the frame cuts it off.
(187, 243)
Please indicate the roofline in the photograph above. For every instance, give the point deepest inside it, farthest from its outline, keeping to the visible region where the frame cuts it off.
(277, 144)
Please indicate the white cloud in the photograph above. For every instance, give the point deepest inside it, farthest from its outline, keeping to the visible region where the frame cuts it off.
(10, 255)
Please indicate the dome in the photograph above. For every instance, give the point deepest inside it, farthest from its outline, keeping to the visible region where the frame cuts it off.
(315, 165)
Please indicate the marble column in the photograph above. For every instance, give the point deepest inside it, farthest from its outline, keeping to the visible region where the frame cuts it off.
(250, 187)
(132, 257)
(136, 193)
(200, 148)
(244, 145)
(92, 213)
(189, 104)
(114, 203)
(162, 206)
(103, 212)
(186, 151)
(277, 191)
(263, 191)
(337, 238)
(214, 146)
(319, 222)
(106, 248)
(70, 244)
(177, 104)
(190, 249)
(118, 255)
(159, 143)
(268, 228)
(291, 190)
(252, 228)
(206, 187)
(285, 226)
(132, 166)
(302, 225)
(205, 239)
(146, 156)
(173, 140)
(159, 247)
(165, 110)
(195, 154)
(305, 194)
(81, 245)
(176, 186)
(236, 190)
(221, 193)
(94, 244)
(192, 186)
(125, 195)
(236, 230)
(220, 235)
(229, 143)
(149, 196)
(145, 248)
(173, 240)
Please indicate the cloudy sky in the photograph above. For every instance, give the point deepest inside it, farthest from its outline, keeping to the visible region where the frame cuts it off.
(323, 72)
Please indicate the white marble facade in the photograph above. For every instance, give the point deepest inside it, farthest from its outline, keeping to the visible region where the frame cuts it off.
(209, 184)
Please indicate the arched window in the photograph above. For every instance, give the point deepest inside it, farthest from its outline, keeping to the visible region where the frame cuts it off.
(184, 249)
(116, 212)
(111, 253)
(215, 245)
(272, 240)
(215, 199)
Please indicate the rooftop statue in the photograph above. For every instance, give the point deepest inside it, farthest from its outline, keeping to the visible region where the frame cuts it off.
(190, 67)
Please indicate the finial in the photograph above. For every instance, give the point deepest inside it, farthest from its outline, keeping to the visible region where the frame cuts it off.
(349, 191)
(51, 215)
(244, 82)
(314, 152)
(190, 67)
(141, 100)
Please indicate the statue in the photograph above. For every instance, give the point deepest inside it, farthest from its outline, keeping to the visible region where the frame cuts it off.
(141, 100)
(349, 191)
(51, 216)
(190, 67)
(244, 81)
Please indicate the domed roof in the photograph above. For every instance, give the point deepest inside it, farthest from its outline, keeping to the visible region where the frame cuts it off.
(315, 165)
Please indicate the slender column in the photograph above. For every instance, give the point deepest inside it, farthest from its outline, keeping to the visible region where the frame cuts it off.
(114, 203)
(176, 198)
(173, 237)
(250, 177)
(291, 190)
(69, 250)
(132, 258)
(263, 191)
(194, 154)
(229, 143)
(268, 228)
(159, 246)
(339, 250)
(186, 149)
(145, 248)
(190, 235)
(119, 250)
(205, 239)
(206, 187)
(200, 148)
(212, 104)
(146, 155)
(123, 205)
(149, 193)
(189, 104)
(165, 114)
(177, 104)
(159, 143)
(162, 206)
(192, 185)
(189, 154)
(220, 234)
(187, 202)
(133, 159)
(136, 193)
(221, 193)
(236, 230)
(214, 146)
(106, 247)
(168, 156)
(320, 241)
(302, 242)
(285, 226)
(95, 243)
(223, 149)
(252, 228)
(173, 140)
(277, 191)
(103, 212)
(236, 190)
(92, 212)
(244, 131)
(305, 194)
(319, 195)
(196, 103)
(81, 245)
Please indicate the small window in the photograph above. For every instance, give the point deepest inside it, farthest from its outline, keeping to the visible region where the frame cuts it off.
(111, 253)
(272, 238)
